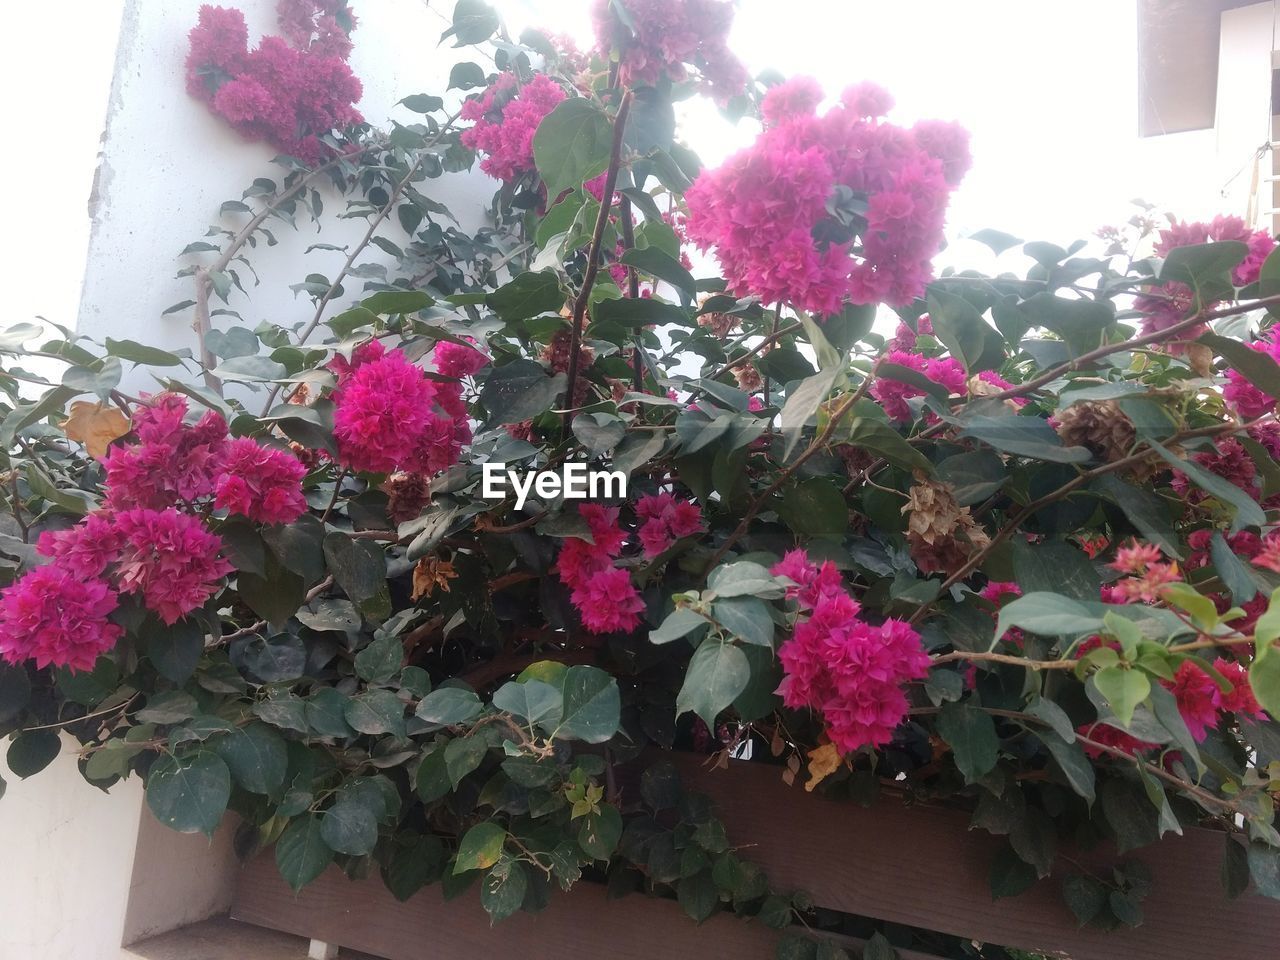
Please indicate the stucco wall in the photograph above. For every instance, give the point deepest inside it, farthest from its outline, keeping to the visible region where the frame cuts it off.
(168, 164)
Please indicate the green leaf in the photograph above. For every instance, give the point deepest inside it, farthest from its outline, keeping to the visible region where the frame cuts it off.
(592, 705)
(1079, 322)
(518, 391)
(1233, 572)
(448, 706)
(504, 890)
(1025, 436)
(1246, 512)
(359, 566)
(815, 508)
(466, 75)
(474, 21)
(882, 439)
(1205, 267)
(640, 312)
(1034, 839)
(1235, 868)
(416, 861)
(960, 327)
(480, 848)
(1143, 509)
(746, 618)
(600, 832)
(1054, 566)
(533, 701)
(1085, 896)
(32, 751)
(972, 736)
(572, 145)
(15, 690)
(376, 712)
(174, 650)
(1123, 689)
(256, 756)
(679, 623)
(284, 711)
(274, 659)
(350, 826)
(599, 432)
(1071, 760)
(463, 756)
(803, 402)
(1264, 679)
(528, 295)
(1048, 614)
(190, 793)
(274, 597)
(1264, 867)
(326, 713)
(100, 380)
(698, 895)
(1257, 366)
(717, 673)
(1010, 875)
(657, 264)
(301, 853)
(380, 661)
(744, 578)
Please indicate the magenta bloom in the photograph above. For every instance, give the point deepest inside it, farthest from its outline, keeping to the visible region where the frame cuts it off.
(174, 463)
(288, 96)
(851, 671)
(455, 360)
(1199, 699)
(260, 483)
(55, 616)
(506, 117)
(388, 416)
(170, 560)
(662, 38)
(85, 549)
(666, 520)
(603, 594)
(765, 210)
(1240, 700)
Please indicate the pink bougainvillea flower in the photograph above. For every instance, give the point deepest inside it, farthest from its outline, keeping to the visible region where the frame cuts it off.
(173, 463)
(603, 594)
(663, 38)
(57, 617)
(666, 520)
(1198, 697)
(505, 118)
(170, 560)
(260, 483)
(388, 416)
(849, 670)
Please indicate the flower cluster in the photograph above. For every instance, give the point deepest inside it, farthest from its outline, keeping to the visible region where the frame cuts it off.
(1147, 574)
(261, 484)
(1169, 303)
(783, 215)
(849, 670)
(388, 416)
(1246, 399)
(506, 116)
(288, 91)
(176, 465)
(663, 38)
(54, 616)
(603, 594)
(893, 394)
(664, 520)
(1202, 703)
(148, 538)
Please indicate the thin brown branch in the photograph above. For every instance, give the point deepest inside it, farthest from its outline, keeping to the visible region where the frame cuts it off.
(593, 254)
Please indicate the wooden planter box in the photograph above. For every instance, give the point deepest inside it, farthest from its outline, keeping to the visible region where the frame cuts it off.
(914, 865)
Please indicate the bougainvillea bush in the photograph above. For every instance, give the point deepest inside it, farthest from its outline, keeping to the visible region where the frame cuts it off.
(1007, 542)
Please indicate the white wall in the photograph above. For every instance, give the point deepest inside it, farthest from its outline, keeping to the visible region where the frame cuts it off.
(168, 164)
(68, 853)
(1199, 174)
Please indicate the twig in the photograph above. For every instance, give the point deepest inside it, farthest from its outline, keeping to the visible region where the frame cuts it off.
(593, 255)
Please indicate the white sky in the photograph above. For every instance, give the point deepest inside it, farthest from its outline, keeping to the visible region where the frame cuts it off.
(1047, 89)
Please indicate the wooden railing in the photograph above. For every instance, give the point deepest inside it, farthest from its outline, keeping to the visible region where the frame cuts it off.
(914, 865)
